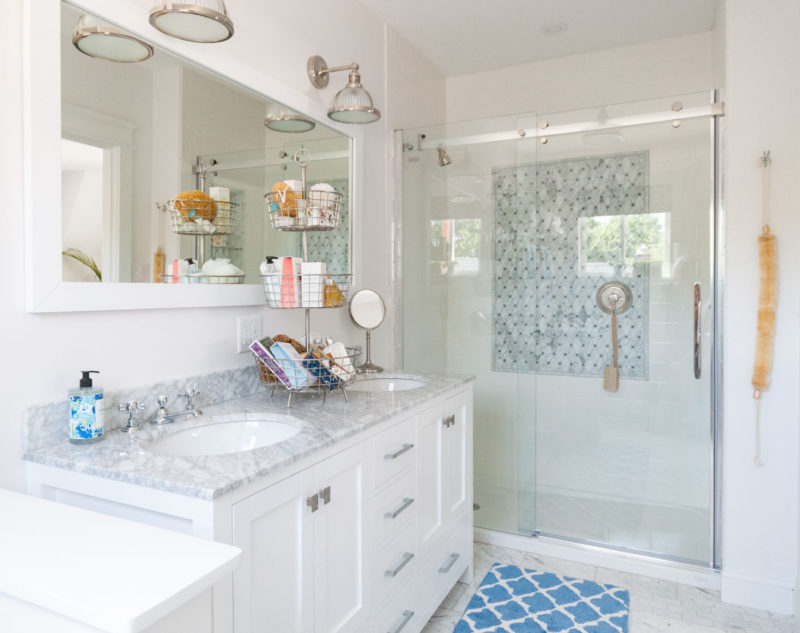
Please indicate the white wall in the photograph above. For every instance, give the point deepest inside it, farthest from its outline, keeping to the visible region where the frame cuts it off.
(43, 353)
(761, 504)
(617, 75)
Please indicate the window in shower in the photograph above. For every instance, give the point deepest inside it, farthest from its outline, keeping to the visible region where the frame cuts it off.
(617, 242)
(455, 246)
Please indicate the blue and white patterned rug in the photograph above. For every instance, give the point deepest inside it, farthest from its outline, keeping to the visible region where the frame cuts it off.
(515, 600)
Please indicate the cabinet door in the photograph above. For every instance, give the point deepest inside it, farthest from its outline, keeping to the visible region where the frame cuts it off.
(340, 564)
(457, 416)
(273, 588)
(429, 454)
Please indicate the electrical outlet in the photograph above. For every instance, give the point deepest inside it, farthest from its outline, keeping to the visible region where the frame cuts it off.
(248, 329)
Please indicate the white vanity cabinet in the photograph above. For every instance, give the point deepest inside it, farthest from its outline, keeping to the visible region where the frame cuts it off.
(365, 535)
(443, 520)
(303, 546)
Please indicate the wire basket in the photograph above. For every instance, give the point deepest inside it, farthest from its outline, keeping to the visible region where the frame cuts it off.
(310, 210)
(202, 216)
(308, 372)
(202, 278)
(306, 291)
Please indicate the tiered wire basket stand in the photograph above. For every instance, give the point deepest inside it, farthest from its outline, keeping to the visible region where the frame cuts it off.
(201, 217)
(303, 211)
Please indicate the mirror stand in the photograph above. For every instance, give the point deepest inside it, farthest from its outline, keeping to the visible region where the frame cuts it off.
(367, 311)
(369, 367)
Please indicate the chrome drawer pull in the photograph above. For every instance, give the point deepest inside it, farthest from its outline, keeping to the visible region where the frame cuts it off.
(406, 448)
(449, 564)
(407, 615)
(393, 515)
(391, 573)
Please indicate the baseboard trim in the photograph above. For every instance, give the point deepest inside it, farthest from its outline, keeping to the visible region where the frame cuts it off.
(758, 592)
(682, 573)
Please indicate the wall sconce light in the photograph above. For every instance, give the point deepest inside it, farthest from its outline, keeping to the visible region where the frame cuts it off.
(352, 104)
(204, 21)
(96, 38)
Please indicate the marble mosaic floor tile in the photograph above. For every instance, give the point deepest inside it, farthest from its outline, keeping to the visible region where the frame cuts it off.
(656, 606)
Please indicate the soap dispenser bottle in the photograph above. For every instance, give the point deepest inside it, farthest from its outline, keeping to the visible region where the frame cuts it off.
(86, 413)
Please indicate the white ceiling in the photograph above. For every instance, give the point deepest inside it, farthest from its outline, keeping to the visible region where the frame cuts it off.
(466, 36)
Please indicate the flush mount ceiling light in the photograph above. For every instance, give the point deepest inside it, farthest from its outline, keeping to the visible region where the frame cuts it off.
(282, 121)
(204, 21)
(96, 38)
(352, 104)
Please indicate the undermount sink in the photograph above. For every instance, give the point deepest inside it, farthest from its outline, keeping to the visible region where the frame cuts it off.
(232, 435)
(387, 382)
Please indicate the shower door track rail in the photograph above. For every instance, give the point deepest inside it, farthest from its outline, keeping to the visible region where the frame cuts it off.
(263, 162)
(713, 109)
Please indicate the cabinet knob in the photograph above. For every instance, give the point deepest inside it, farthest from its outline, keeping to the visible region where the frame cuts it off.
(313, 503)
(325, 495)
(449, 421)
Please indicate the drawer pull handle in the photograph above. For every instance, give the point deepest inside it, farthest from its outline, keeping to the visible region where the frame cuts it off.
(451, 560)
(407, 615)
(405, 449)
(391, 573)
(313, 502)
(393, 515)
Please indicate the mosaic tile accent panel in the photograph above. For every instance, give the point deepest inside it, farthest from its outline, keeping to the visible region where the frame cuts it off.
(333, 247)
(515, 600)
(545, 315)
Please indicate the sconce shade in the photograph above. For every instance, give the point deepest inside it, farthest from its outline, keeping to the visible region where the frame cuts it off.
(96, 38)
(203, 21)
(353, 104)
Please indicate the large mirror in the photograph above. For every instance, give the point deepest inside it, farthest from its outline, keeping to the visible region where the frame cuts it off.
(135, 135)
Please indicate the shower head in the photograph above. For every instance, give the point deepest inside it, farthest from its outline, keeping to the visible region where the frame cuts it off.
(444, 157)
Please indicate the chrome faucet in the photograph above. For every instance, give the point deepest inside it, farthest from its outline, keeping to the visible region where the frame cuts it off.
(163, 416)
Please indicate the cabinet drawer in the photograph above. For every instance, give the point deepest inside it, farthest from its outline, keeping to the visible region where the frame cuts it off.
(393, 451)
(445, 564)
(401, 615)
(394, 507)
(395, 564)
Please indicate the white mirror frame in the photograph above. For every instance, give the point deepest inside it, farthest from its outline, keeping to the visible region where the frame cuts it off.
(45, 290)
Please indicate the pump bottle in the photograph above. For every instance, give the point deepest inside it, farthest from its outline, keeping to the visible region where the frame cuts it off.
(86, 412)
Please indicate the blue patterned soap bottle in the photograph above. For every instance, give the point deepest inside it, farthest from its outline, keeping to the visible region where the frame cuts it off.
(86, 413)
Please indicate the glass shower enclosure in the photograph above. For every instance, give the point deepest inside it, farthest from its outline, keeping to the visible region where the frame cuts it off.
(510, 227)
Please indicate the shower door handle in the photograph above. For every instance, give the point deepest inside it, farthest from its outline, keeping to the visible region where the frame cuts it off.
(697, 328)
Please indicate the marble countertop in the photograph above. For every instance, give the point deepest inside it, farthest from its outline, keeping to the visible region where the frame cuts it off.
(124, 456)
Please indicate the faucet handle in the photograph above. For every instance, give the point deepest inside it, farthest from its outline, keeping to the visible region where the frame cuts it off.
(131, 407)
(189, 394)
(162, 402)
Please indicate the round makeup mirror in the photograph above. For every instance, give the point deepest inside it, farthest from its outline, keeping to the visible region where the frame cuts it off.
(367, 311)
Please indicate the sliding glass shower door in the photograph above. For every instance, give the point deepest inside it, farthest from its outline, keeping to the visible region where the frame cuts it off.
(505, 249)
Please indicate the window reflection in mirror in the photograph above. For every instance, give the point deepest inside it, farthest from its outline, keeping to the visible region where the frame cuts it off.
(146, 124)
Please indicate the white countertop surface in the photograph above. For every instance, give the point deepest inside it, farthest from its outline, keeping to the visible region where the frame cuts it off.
(116, 575)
